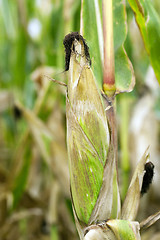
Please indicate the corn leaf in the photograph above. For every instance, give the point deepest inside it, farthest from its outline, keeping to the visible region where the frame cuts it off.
(124, 75)
(148, 22)
(131, 202)
(91, 29)
(150, 220)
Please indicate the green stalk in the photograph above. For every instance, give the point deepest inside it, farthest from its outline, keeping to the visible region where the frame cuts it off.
(124, 112)
(108, 71)
(109, 89)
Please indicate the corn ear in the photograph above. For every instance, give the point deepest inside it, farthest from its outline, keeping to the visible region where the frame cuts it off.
(87, 135)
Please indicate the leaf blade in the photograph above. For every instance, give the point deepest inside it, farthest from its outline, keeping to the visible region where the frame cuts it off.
(131, 202)
(149, 24)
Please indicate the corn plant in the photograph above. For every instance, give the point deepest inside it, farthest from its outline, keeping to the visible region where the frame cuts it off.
(91, 122)
(37, 197)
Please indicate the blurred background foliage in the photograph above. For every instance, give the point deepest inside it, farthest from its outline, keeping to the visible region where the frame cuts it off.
(34, 180)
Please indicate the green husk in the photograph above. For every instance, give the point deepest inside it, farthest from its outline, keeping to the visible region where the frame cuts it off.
(87, 135)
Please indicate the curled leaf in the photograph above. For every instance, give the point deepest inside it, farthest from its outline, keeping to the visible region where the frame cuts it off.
(150, 220)
(149, 24)
(131, 202)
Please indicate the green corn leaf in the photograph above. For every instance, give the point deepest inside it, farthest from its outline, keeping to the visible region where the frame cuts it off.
(124, 75)
(91, 29)
(149, 24)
